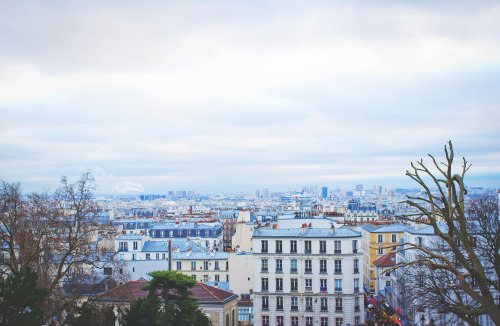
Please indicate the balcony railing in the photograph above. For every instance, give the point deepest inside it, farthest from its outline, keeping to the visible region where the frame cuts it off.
(356, 289)
(356, 270)
(294, 308)
(355, 251)
(356, 308)
(293, 270)
(280, 307)
(338, 289)
(293, 251)
(309, 288)
(308, 270)
(307, 251)
(309, 308)
(264, 270)
(337, 251)
(323, 289)
(279, 270)
(123, 249)
(338, 271)
(324, 308)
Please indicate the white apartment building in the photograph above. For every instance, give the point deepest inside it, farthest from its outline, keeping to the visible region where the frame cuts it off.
(307, 276)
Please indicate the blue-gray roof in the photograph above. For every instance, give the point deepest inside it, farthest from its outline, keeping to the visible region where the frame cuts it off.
(129, 237)
(199, 255)
(429, 230)
(309, 233)
(156, 246)
(391, 228)
(183, 245)
(188, 226)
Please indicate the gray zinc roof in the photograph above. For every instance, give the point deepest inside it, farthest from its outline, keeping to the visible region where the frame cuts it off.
(309, 233)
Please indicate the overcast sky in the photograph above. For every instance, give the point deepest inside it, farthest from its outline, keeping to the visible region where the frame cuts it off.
(238, 95)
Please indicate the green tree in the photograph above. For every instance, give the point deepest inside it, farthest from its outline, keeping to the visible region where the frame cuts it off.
(20, 298)
(168, 303)
(90, 314)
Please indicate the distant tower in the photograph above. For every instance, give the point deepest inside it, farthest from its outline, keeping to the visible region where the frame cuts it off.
(324, 192)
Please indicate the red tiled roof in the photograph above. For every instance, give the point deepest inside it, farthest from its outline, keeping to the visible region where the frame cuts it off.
(132, 290)
(387, 260)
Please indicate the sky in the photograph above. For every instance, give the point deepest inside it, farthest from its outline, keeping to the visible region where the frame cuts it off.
(217, 96)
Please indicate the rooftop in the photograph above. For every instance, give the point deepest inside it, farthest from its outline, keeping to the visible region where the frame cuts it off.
(387, 260)
(309, 232)
(392, 228)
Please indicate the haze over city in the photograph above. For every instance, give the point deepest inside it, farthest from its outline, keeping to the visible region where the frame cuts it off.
(225, 96)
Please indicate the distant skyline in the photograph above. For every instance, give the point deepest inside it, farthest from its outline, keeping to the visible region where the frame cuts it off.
(222, 96)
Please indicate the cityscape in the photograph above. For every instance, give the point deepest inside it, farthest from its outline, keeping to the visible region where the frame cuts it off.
(259, 163)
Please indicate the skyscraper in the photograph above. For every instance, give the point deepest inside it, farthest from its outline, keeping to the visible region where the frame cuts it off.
(324, 192)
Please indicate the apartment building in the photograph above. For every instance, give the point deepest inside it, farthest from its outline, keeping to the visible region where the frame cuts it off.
(376, 242)
(307, 276)
(202, 266)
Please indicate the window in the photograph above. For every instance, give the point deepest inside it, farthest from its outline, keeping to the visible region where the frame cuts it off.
(108, 270)
(473, 241)
(380, 251)
(227, 265)
(216, 267)
(308, 246)
(294, 303)
(338, 304)
(308, 266)
(163, 256)
(354, 246)
(324, 304)
(339, 321)
(264, 246)
(322, 266)
(279, 284)
(387, 283)
(179, 265)
(473, 281)
(193, 277)
(309, 284)
(356, 304)
(264, 264)
(380, 238)
(265, 302)
(309, 321)
(217, 278)
(134, 257)
(227, 278)
(419, 241)
(324, 321)
(279, 303)
(309, 303)
(205, 278)
(338, 247)
(135, 245)
(338, 266)
(279, 320)
(279, 246)
(148, 256)
(171, 233)
(388, 274)
(265, 320)
(394, 238)
(193, 265)
(279, 266)
(322, 247)
(265, 284)
(323, 287)
(295, 321)
(123, 246)
(293, 266)
(294, 285)
(356, 320)
(205, 265)
(356, 266)
(338, 285)
(356, 285)
(293, 246)
(158, 256)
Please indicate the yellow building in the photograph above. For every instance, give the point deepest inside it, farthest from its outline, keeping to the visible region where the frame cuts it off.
(377, 241)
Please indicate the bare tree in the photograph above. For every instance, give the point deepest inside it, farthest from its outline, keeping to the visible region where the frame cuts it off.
(459, 271)
(56, 236)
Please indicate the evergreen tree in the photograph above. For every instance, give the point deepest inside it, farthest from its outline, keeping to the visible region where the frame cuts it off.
(90, 314)
(169, 303)
(20, 298)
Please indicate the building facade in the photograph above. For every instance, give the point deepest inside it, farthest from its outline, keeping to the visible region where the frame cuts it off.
(307, 276)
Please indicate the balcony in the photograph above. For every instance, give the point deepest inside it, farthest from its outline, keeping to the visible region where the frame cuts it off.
(294, 290)
(338, 271)
(264, 250)
(338, 309)
(309, 289)
(264, 270)
(309, 308)
(337, 251)
(356, 271)
(307, 251)
(294, 308)
(265, 289)
(279, 270)
(338, 289)
(293, 251)
(266, 307)
(356, 289)
(355, 251)
(324, 308)
(293, 270)
(322, 251)
(280, 307)
(123, 249)
(308, 270)
(323, 271)
(279, 251)
(323, 289)
(356, 308)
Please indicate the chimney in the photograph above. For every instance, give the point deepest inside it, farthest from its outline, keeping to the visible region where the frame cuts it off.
(332, 229)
